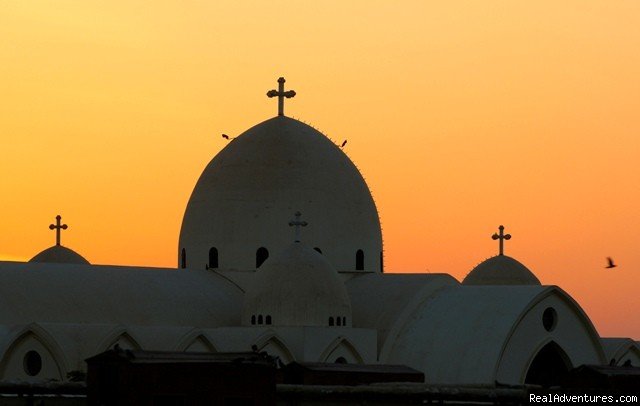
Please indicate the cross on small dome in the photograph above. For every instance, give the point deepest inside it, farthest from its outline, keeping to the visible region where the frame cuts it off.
(281, 94)
(297, 223)
(58, 227)
(502, 236)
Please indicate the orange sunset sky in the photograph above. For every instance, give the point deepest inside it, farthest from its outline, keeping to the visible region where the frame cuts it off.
(461, 116)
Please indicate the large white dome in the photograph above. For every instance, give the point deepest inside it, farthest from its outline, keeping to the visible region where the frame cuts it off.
(247, 194)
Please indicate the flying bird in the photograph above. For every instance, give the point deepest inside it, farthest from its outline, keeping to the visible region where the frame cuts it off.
(611, 264)
(225, 136)
(343, 144)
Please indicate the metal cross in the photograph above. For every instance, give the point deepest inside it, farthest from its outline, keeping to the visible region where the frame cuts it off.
(281, 95)
(297, 224)
(502, 236)
(58, 227)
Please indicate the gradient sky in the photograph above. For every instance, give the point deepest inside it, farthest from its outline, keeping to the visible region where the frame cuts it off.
(461, 115)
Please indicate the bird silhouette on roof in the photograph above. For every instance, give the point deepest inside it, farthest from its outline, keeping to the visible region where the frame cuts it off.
(343, 144)
(610, 262)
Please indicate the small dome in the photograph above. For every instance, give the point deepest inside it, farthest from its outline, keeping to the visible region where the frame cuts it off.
(297, 288)
(59, 254)
(501, 270)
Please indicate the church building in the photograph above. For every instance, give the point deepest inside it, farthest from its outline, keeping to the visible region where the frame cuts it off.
(281, 250)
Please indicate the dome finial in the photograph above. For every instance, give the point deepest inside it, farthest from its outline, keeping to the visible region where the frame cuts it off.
(58, 227)
(502, 236)
(297, 224)
(281, 95)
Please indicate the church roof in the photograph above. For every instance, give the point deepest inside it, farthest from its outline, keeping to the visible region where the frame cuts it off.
(396, 294)
(461, 333)
(298, 287)
(99, 294)
(248, 192)
(617, 347)
(59, 254)
(501, 270)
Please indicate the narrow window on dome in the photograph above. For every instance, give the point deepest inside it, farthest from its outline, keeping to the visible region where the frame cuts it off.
(339, 321)
(344, 321)
(261, 255)
(318, 249)
(253, 319)
(259, 319)
(331, 321)
(359, 260)
(268, 320)
(213, 257)
(381, 263)
(183, 259)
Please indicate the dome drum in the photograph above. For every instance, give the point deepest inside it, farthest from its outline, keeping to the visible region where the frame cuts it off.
(297, 287)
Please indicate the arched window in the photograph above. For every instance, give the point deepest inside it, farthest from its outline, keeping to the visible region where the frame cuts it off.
(359, 260)
(339, 321)
(253, 319)
(344, 321)
(341, 360)
(213, 257)
(183, 259)
(268, 320)
(331, 321)
(261, 255)
(317, 249)
(259, 319)
(381, 263)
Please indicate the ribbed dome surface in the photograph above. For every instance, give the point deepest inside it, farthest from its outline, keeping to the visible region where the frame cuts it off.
(500, 270)
(298, 287)
(247, 194)
(59, 254)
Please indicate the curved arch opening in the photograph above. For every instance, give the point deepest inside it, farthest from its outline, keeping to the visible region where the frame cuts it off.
(549, 366)
(183, 258)
(200, 344)
(125, 342)
(213, 257)
(341, 348)
(261, 255)
(359, 260)
(32, 356)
